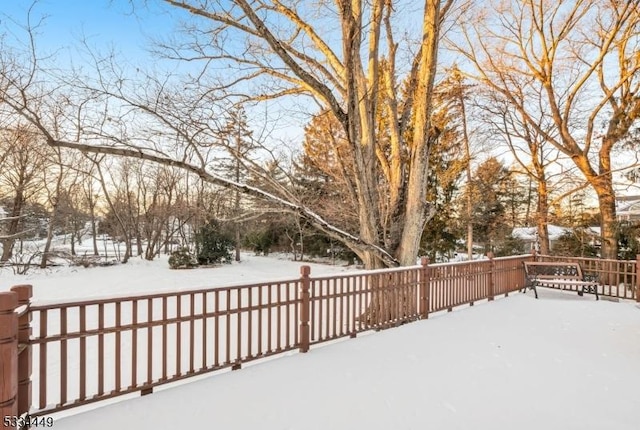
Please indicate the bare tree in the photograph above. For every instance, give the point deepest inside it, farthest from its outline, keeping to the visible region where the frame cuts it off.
(582, 57)
(529, 148)
(21, 177)
(53, 180)
(284, 52)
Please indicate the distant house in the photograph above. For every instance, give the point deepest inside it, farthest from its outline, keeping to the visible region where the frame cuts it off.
(529, 235)
(628, 208)
(627, 191)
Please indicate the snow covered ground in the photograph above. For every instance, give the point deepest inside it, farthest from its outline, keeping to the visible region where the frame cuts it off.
(141, 276)
(560, 362)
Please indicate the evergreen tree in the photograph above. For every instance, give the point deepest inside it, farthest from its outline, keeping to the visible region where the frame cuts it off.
(213, 245)
(489, 196)
(239, 144)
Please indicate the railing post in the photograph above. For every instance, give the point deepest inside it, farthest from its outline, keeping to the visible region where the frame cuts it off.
(424, 287)
(25, 292)
(638, 278)
(8, 354)
(492, 272)
(305, 298)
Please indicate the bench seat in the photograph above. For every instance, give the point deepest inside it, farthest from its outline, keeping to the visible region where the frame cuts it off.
(558, 275)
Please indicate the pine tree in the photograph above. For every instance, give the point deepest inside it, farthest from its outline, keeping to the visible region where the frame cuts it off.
(239, 143)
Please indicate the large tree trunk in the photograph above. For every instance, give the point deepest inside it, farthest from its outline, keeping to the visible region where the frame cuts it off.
(608, 223)
(542, 221)
(603, 186)
(542, 209)
(47, 245)
(94, 231)
(416, 212)
(14, 226)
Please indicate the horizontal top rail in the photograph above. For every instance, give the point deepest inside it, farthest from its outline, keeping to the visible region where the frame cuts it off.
(513, 257)
(367, 272)
(600, 260)
(482, 260)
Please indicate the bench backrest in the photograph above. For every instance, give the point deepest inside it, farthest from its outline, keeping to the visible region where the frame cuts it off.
(553, 270)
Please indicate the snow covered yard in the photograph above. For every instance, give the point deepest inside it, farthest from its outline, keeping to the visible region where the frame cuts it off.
(139, 276)
(561, 362)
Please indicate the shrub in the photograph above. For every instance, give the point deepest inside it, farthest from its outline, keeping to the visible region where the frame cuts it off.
(575, 243)
(260, 241)
(628, 241)
(182, 258)
(509, 246)
(213, 245)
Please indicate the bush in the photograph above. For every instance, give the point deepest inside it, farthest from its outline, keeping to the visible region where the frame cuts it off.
(628, 241)
(575, 243)
(260, 241)
(509, 246)
(182, 258)
(213, 245)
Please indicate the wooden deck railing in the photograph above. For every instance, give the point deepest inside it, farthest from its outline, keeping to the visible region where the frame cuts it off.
(87, 351)
(93, 350)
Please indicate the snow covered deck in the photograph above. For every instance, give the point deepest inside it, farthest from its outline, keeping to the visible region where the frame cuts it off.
(560, 362)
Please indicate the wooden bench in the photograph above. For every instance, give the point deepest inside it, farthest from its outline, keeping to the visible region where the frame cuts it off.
(558, 274)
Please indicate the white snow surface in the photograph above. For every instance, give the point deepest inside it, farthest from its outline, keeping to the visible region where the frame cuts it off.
(560, 362)
(139, 276)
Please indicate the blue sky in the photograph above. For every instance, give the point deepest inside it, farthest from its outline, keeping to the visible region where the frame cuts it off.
(113, 24)
(104, 23)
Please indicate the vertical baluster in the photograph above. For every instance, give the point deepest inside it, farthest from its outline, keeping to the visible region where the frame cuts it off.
(321, 299)
(134, 344)
(149, 341)
(260, 305)
(312, 310)
(296, 298)
(100, 349)
(249, 322)
(279, 318)
(637, 269)
(228, 328)
(64, 365)
(239, 325)
(192, 334)
(118, 348)
(216, 350)
(82, 380)
(358, 303)
(43, 359)
(204, 331)
(288, 317)
(269, 318)
(179, 335)
(164, 339)
(341, 320)
(335, 307)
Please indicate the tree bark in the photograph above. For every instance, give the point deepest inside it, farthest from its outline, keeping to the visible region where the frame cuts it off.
(542, 214)
(417, 210)
(47, 246)
(14, 225)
